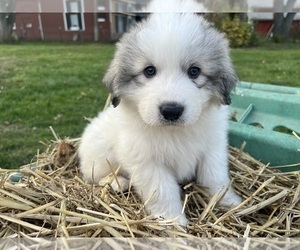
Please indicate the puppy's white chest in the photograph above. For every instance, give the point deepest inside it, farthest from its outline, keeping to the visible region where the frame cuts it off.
(165, 148)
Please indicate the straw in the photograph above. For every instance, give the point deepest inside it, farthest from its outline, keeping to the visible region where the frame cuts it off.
(51, 200)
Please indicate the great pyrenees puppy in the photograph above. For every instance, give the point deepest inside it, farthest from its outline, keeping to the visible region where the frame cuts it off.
(170, 82)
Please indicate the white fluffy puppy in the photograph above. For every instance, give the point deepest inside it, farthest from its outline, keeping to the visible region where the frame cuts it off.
(170, 81)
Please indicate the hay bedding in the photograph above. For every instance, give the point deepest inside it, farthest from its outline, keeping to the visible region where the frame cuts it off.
(51, 200)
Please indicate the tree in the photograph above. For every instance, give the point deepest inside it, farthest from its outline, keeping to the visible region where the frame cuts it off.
(283, 18)
(7, 19)
(238, 6)
(233, 8)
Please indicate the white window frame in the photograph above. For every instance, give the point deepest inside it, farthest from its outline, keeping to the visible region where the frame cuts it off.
(101, 7)
(81, 2)
(101, 19)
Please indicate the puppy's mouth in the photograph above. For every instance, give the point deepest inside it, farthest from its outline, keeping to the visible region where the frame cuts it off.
(164, 122)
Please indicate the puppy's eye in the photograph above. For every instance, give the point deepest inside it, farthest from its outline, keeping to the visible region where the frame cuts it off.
(194, 72)
(150, 71)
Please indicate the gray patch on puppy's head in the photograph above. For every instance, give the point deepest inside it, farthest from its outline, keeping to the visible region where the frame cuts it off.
(120, 72)
(222, 77)
(116, 77)
(223, 84)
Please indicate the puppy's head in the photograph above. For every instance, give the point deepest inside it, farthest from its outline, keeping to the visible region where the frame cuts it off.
(170, 67)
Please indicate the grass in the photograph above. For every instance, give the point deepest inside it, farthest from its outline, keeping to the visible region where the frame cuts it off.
(52, 84)
(46, 85)
(272, 63)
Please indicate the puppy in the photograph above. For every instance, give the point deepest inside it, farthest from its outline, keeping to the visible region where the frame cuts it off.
(170, 81)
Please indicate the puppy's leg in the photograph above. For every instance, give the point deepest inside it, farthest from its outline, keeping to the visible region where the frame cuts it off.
(119, 185)
(213, 173)
(95, 150)
(160, 192)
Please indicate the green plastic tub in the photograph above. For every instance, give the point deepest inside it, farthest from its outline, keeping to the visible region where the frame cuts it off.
(265, 117)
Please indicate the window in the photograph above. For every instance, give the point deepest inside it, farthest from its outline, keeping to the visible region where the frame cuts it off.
(120, 7)
(122, 19)
(101, 17)
(101, 5)
(74, 15)
(121, 23)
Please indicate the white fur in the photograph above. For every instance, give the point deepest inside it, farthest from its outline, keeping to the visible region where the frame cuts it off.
(154, 155)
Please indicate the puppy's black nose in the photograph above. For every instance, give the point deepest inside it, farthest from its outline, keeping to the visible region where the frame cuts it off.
(171, 111)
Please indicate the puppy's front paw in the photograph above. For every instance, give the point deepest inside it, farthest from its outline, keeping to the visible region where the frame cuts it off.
(182, 221)
(120, 185)
(169, 214)
(231, 199)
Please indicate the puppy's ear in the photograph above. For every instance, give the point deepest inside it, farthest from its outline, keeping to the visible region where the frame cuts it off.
(115, 101)
(228, 83)
(110, 80)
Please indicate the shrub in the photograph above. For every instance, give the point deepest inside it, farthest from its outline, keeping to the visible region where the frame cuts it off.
(255, 39)
(12, 39)
(238, 32)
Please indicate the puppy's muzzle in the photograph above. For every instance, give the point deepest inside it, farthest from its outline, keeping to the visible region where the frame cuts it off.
(171, 111)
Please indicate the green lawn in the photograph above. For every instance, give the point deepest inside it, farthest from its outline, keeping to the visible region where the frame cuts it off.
(274, 64)
(46, 85)
(57, 85)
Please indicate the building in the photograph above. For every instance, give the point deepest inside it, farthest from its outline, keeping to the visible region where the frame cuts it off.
(107, 20)
(261, 12)
(72, 20)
